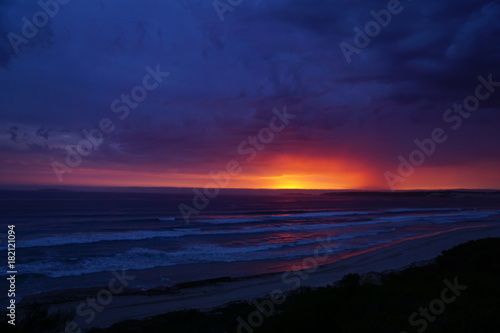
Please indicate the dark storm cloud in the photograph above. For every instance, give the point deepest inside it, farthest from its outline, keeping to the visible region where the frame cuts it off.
(227, 77)
(42, 132)
(6, 51)
(13, 133)
(13, 14)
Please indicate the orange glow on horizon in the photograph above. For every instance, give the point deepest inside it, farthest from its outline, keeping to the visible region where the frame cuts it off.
(278, 172)
(318, 173)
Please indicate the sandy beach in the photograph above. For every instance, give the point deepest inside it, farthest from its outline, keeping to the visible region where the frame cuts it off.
(394, 255)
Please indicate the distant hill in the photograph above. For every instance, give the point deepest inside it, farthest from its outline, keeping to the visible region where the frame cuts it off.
(53, 190)
(292, 194)
(399, 194)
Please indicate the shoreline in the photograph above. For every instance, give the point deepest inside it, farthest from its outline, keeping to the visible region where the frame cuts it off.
(212, 293)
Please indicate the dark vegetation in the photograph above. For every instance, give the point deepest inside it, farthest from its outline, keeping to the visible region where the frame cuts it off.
(352, 306)
(36, 318)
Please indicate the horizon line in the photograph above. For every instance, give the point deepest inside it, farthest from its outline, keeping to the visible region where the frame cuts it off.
(31, 187)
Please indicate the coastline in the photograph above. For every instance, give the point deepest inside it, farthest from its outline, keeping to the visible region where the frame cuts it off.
(209, 294)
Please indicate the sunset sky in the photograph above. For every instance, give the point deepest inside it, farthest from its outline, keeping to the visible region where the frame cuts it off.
(351, 120)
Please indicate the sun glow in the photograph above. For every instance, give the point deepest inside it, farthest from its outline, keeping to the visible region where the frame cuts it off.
(316, 173)
(291, 182)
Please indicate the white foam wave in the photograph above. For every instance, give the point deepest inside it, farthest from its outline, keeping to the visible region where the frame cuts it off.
(177, 232)
(237, 220)
(457, 217)
(144, 258)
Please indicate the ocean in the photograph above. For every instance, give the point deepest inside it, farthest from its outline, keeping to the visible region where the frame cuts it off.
(67, 240)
